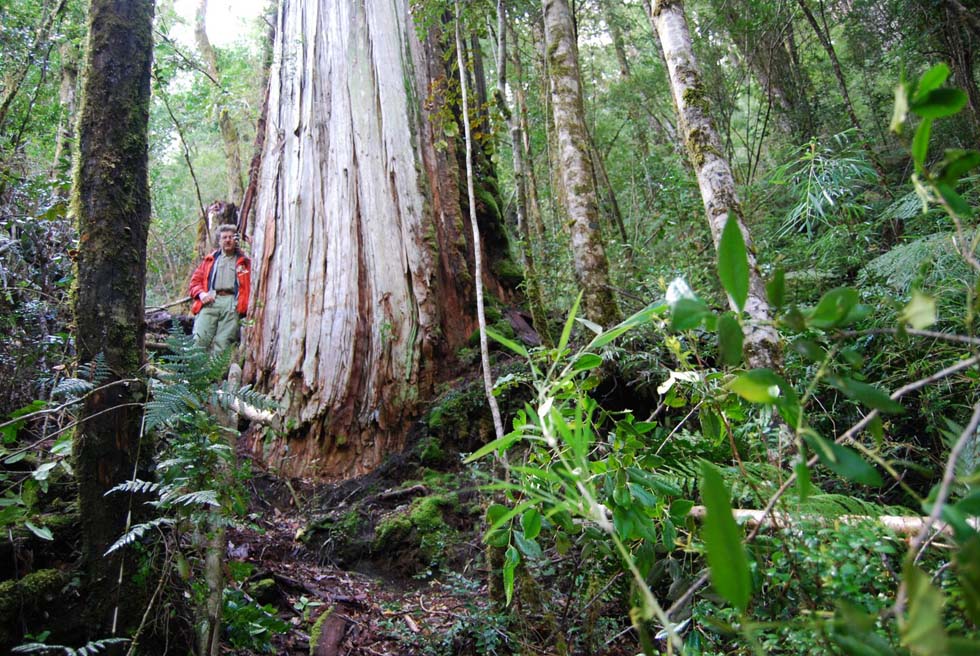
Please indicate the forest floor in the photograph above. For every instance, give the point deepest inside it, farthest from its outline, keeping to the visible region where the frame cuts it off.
(371, 608)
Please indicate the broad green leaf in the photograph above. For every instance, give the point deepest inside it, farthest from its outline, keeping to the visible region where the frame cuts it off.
(723, 541)
(730, 338)
(970, 504)
(710, 424)
(867, 394)
(920, 144)
(511, 558)
(901, 111)
(733, 263)
(587, 361)
(940, 103)
(843, 461)
(687, 313)
(776, 289)
(922, 627)
(758, 386)
(803, 485)
(920, 313)
(527, 546)
(509, 343)
(931, 79)
(42, 532)
(833, 308)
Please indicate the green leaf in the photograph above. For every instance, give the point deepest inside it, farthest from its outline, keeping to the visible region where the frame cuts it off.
(733, 263)
(843, 461)
(758, 386)
(500, 445)
(687, 313)
(809, 349)
(776, 289)
(968, 574)
(867, 394)
(730, 339)
(42, 532)
(920, 144)
(955, 202)
(509, 343)
(920, 313)
(511, 559)
(901, 111)
(957, 163)
(930, 80)
(922, 628)
(833, 308)
(566, 332)
(940, 103)
(531, 523)
(640, 318)
(527, 546)
(723, 541)
(803, 484)
(587, 361)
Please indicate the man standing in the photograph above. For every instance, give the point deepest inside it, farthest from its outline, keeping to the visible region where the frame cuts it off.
(220, 287)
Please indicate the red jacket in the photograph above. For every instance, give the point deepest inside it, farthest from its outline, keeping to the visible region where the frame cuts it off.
(202, 280)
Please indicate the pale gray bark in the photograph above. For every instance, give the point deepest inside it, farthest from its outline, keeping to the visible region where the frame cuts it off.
(362, 288)
(715, 179)
(581, 201)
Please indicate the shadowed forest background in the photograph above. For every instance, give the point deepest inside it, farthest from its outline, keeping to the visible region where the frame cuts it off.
(577, 327)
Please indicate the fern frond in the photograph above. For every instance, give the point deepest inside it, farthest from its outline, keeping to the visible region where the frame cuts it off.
(138, 486)
(71, 388)
(138, 531)
(96, 370)
(837, 505)
(96, 646)
(198, 498)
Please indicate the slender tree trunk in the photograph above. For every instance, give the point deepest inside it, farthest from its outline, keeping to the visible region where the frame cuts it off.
(531, 183)
(842, 86)
(714, 174)
(535, 300)
(41, 42)
(962, 56)
(362, 286)
(67, 97)
(581, 202)
(111, 202)
(229, 133)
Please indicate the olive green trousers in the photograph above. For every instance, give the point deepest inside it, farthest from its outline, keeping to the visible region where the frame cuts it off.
(216, 325)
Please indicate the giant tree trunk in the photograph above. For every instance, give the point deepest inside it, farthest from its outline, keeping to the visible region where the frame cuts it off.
(111, 202)
(581, 200)
(362, 285)
(714, 174)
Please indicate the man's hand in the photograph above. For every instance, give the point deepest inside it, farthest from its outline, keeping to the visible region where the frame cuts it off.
(207, 298)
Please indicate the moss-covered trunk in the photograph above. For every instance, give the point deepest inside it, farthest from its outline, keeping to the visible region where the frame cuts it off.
(111, 203)
(363, 289)
(578, 179)
(715, 179)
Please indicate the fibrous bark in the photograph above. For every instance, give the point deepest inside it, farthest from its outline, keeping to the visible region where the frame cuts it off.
(111, 203)
(363, 288)
(573, 142)
(715, 179)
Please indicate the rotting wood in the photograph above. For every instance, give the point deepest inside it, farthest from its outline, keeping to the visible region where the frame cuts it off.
(901, 524)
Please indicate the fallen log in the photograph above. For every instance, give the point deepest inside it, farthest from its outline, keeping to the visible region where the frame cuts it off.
(901, 524)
